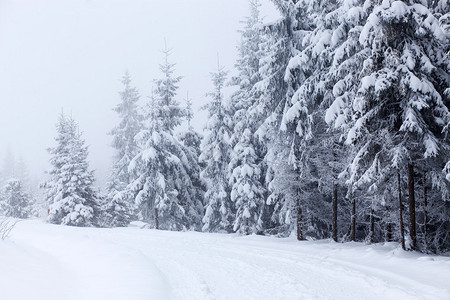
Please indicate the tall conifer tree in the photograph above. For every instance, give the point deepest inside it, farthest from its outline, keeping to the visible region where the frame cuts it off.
(69, 191)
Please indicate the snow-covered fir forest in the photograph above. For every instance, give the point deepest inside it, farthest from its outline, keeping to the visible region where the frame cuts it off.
(333, 125)
(337, 127)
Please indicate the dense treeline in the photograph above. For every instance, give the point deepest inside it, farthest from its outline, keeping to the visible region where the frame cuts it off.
(338, 128)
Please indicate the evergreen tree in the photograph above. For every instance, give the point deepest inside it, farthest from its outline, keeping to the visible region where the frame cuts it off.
(247, 191)
(167, 108)
(192, 141)
(401, 94)
(69, 192)
(119, 206)
(190, 138)
(301, 125)
(216, 152)
(15, 201)
(164, 168)
(246, 164)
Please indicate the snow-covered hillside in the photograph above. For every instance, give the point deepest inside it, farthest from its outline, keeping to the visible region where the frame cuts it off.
(42, 261)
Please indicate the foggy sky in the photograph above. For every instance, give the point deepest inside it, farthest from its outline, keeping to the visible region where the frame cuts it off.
(70, 55)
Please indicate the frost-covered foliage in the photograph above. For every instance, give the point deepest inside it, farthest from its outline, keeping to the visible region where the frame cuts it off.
(118, 211)
(247, 190)
(308, 32)
(334, 104)
(402, 78)
(70, 194)
(372, 74)
(447, 171)
(246, 162)
(15, 168)
(215, 156)
(119, 206)
(14, 200)
(400, 111)
(165, 187)
(192, 141)
(18, 169)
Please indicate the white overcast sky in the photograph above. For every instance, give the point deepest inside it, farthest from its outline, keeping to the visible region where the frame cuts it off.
(71, 54)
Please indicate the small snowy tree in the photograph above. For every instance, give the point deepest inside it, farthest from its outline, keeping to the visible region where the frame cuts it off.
(15, 201)
(69, 191)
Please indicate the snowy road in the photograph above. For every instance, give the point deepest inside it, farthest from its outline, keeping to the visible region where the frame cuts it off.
(41, 261)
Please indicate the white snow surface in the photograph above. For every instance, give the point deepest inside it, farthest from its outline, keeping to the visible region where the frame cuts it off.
(43, 261)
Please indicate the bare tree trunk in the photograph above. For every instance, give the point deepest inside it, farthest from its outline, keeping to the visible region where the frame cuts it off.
(388, 232)
(334, 223)
(425, 210)
(299, 222)
(388, 228)
(372, 225)
(412, 207)
(353, 214)
(156, 218)
(400, 205)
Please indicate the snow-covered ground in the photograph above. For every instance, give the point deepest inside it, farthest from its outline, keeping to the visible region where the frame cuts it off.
(42, 261)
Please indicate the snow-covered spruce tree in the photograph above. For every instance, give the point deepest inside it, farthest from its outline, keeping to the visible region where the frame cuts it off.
(190, 137)
(118, 209)
(15, 201)
(400, 95)
(163, 188)
(69, 192)
(247, 66)
(246, 162)
(216, 153)
(342, 80)
(16, 169)
(192, 140)
(303, 114)
(247, 191)
(275, 49)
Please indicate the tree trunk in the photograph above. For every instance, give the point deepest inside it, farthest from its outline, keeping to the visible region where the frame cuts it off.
(334, 223)
(388, 228)
(156, 218)
(425, 210)
(388, 232)
(400, 205)
(412, 207)
(353, 214)
(299, 222)
(372, 225)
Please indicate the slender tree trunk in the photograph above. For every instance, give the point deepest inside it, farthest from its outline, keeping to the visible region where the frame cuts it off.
(299, 222)
(334, 223)
(388, 232)
(156, 218)
(412, 207)
(372, 225)
(425, 210)
(400, 205)
(388, 228)
(353, 214)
